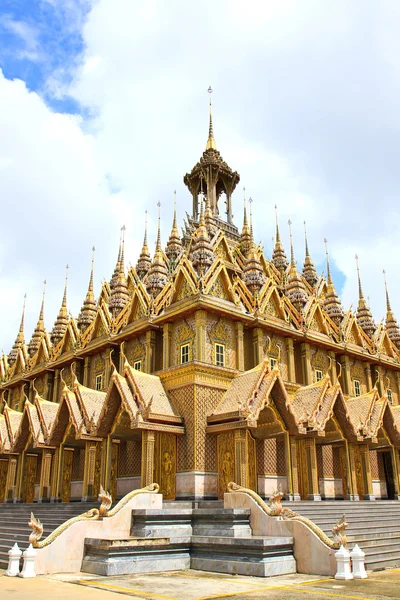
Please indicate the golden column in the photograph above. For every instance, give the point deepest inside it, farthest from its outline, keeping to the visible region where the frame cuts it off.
(366, 470)
(200, 325)
(291, 363)
(148, 449)
(294, 461)
(166, 345)
(306, 363)
(239, 346)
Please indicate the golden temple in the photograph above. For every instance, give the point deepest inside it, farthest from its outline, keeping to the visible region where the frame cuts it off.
(205, 364)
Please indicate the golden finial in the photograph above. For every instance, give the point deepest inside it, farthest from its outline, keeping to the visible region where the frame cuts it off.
(388, 307)
(292, 260)
(174, 222)
(64, 302)
(21, 327)
(251, 216)
(91, 271)
(41, 315)
(360, 292)
(305, 236)
(158, 243)
(122, 262)
(278, 237)
(327, 261)
(211, 141)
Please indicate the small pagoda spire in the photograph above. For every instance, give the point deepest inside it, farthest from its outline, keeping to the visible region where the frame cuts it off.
(114, 277)
(278, 256)
(120, 293)
(364, 315)
(210, 141)
(144, 262)
(61, 323)
(245, 238)
(174, 245)
(251, 218)
(158, 273)
(295, 290)
(202, 256)
(309, 271)
(392, 326)
(89, 307)
(332, 305)
(37, 335)
(20, 339)
(253, 274)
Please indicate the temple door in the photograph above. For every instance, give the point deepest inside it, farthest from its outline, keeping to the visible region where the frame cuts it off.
(3, 479)
(114, 470)
(359, 472)
(165, 464)
(28, 494)
(226, 461)
(68, 455)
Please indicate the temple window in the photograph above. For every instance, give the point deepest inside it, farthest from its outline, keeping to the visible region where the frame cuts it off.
(220, 355)
(184, 354)
(318, 375)
(389, 395)
(272, 363)
(137, 365)
(99, 382)
(357, 387)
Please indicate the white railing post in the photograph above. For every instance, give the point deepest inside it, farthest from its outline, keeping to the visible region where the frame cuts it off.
(13, 561)
(28, 570)
(357, 558)
(343, 564)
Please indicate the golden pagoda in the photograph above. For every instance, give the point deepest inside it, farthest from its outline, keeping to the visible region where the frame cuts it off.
(204, 364)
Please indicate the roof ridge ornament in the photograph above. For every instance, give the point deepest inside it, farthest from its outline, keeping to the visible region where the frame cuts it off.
(210, 141)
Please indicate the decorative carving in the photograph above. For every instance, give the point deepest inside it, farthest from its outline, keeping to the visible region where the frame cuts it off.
(68, 456)
(226, 461)
(106, 501)
(339, 531)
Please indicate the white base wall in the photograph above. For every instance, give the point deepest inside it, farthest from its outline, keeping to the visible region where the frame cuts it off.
(268, 484)
(331, 488)
(379, 488)
(196, 485)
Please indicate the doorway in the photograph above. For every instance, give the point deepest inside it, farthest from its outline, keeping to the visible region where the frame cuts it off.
(389, 475)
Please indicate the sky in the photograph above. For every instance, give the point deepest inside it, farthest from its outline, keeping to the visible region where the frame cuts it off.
(104, 108)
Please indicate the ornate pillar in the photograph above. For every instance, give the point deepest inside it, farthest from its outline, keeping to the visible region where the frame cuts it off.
(166, 345)
(291, 363)
(258, 340)
(19, 481)
(397, 376)
(294, 463)
(306, 363)
(200, 325)
(352, 450)
(91, 480)
(346, 378)
(312, 471)
(396, 471)
(368, 376)
(44, 489)
(56, 385)
(333, 371)
(239, 346)
(240, 457)
(55, 475)
(366, 471)
(11, 495)
(148, 448)
(150, 351)
(86, 370)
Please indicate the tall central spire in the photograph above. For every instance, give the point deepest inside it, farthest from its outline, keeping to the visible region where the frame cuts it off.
(332, 304)
(364, 315)
(278, 256)
(61, 324)
(309, 271)
(89, 308)
(144, 262)
(211, 141)
(392, 326)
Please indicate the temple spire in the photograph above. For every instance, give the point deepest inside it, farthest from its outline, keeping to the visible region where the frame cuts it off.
(20, 339)
(295, 289)
(392, 326)
(251, 218)
(292, 259)
(120, 293)
(279, 256)
(158, 274)
(89, 308)
(37, 335)
(61, 323)
(144, 262)
(245, 238)
(117, 265)
(332, 305)
(364, 315)
(174, 245)
(210, 141)
(309, 271)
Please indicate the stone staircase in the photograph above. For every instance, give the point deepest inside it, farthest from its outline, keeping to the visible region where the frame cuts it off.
(374, 526)
(198, 535)
(14, 520)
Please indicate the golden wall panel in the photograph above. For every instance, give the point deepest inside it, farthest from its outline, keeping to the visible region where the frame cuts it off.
(3, 478)
(30, 470)
(226, 461)
(130, 458)
(68, 456)
(328, 461)
(271, 457)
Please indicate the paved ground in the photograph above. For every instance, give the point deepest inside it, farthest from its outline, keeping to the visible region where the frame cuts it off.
(197, 585)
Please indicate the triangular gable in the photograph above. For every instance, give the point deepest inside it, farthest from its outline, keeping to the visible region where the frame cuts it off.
(101, 324)
(105, 293)
(138, 307)
(222, 250)
(270, 271)
(119, 399)
(149, 392)
(270, 301)
(315, 319)
(69, 340)
(360, 409)
(391, 423)
(385, 345)
(19, 366)
(42, 355)
(352, 333)
(47, 412)
(184, 284)
(218, 283)
(164, 298)
(91, 403)
(13, 420)
(5, 444)
(243, 295)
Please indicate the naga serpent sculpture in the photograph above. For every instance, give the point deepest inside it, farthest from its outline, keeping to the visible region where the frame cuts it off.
(94, 514)
(275, 509)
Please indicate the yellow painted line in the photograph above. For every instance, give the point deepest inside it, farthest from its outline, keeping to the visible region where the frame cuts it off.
(125, 590)
(258, 590)
(322, 592)
(312, 582)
